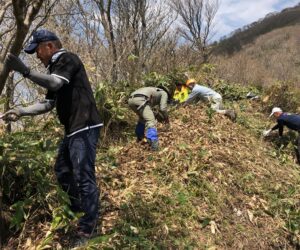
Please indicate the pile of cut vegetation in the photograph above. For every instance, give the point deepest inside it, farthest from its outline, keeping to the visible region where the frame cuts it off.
(214, 184)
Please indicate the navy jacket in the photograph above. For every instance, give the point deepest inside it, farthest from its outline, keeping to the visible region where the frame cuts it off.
(292, 121)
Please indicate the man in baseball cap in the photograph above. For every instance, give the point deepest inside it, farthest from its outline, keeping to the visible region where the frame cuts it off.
(292, 121)
(38, 37)
(275, 110)
(69, 91)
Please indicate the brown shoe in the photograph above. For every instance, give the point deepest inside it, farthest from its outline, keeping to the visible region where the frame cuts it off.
(231, 114)
(82, 234)
(82, 238)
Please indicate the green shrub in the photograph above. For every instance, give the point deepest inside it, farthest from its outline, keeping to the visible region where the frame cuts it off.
(233, 92)
(27, 175)
(284, 95)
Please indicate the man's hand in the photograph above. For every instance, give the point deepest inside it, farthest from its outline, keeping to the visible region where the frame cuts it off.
(266, 132)
(14, 63)
(11, 115)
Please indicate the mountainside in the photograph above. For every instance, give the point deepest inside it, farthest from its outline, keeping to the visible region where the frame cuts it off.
(213, 185)
(264, 52)
(247, 34)
(269, 58)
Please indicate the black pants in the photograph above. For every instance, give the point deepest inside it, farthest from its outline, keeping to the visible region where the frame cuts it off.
(297, 148)
(75, 171)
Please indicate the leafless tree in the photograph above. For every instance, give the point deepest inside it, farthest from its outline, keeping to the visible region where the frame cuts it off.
(14, 32)
(130, 29)
(142, 26)
(197, 22)
(105, 8)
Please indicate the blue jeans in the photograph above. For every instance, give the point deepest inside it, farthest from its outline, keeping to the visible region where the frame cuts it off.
(75, 172)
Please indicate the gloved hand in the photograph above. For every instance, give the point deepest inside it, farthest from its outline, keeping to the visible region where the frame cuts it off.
(266, 132)
(152, 138)
(14, 63)
(231, 114)
(11, 115)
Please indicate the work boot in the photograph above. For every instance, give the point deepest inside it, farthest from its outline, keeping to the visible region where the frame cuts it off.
(231, 114)
(82, 237)
(154, 145)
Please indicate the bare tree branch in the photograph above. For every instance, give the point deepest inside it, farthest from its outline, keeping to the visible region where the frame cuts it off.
(197, 18)
(24, 12)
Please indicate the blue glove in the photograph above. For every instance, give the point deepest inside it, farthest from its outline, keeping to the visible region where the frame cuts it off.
(151, 134)
(152, 138)
(140, 130)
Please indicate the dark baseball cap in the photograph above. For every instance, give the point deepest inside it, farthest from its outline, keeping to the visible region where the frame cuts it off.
(38, 37)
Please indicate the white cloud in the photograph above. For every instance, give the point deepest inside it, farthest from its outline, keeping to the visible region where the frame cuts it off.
(234, 14)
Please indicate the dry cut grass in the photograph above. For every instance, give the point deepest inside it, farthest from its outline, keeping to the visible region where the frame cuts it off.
(213, 184)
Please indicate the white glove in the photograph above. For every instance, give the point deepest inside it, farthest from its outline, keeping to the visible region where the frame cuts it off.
(266, 132)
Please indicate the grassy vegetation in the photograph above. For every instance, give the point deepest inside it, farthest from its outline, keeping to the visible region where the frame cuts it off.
(214, 184)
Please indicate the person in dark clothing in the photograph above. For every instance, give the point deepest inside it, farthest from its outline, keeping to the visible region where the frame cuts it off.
(69, 90)
(292, 121)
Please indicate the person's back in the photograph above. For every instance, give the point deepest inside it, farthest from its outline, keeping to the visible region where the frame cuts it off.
(154, 94)
(292, 121)
(204, 91)
(200, 92)
(141, 101)
(181, 93)
(147, 91)
(75, 103)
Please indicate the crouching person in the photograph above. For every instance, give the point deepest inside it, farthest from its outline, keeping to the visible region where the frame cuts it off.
(141, 102)
(203, 93)
(291, 121)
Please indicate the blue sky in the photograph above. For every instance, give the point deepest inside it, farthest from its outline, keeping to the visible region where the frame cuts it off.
(233, 14)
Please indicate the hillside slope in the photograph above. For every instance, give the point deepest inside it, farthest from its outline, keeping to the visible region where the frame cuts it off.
(269, 58)
(247, 34)
(213, 185)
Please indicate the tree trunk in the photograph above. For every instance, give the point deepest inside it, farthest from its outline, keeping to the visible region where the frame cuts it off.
(9, 98)
(24, 16)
